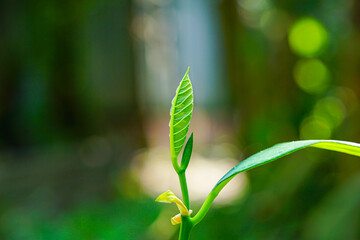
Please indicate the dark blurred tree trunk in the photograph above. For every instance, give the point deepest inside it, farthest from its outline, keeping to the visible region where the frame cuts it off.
(356, 62)
(53, 106)
(9, 80)
(63, 79)
(256, 82)
(46, 82)
(232, 31)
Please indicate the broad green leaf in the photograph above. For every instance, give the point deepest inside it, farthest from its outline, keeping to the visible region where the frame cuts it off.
(284, 149)
(187, 153)
(269, 155)
(181, 112)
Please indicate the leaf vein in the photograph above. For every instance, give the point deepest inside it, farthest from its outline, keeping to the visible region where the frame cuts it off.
(180, 139)
(183, 91)
(180, 120)
(190, 95)
(182, 128)
(183, 108)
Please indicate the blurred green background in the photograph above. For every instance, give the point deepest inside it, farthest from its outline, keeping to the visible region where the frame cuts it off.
(85, 91)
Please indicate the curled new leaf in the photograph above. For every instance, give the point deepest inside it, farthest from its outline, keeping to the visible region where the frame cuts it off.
(187, 153)
(170, 197)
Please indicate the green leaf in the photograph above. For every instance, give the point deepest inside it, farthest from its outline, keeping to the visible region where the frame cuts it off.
(269, 155)
(187, 153)
(283, 149)
(181, 112)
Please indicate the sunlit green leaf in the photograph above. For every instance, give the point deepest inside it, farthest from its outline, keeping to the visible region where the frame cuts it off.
(284, 149)
(181, 112)
(269, 155)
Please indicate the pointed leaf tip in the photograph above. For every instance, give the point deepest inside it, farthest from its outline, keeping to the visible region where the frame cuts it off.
(166, 197)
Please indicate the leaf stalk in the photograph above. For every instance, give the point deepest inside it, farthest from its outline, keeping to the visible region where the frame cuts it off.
(184, 188)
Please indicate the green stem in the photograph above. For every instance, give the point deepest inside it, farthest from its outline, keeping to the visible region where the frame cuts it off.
(186, 223)
(185, 228)
(209, 200)
(175, 164)
(184, 189)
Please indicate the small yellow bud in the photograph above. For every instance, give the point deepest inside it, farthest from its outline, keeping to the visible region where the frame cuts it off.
(177, 219)
(169, 197)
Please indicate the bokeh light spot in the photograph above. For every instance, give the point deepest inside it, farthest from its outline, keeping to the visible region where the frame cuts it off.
(307, 37)
(348, 98)
(274, 23)
(332, 110)
(311, 75)
(315, 128)
(253, 5)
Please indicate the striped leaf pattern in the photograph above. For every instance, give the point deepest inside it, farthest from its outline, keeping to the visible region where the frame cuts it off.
(181, 112)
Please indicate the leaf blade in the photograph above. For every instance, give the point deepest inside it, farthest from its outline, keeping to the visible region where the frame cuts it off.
(180, 115)
(283, 149)
(269, 155)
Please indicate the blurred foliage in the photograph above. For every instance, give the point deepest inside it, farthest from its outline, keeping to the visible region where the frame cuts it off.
(71, 120)
(113, 220)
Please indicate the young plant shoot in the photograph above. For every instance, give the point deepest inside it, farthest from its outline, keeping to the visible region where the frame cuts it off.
(180, 116)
